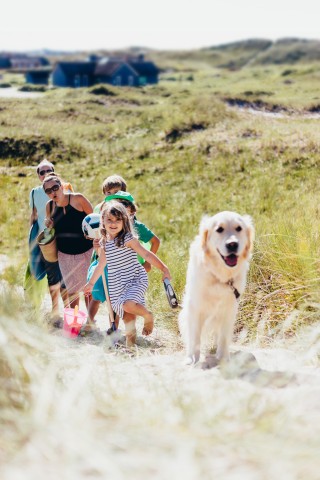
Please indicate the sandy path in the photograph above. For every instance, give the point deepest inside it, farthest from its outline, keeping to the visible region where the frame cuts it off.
(100, 412)
(14, 93)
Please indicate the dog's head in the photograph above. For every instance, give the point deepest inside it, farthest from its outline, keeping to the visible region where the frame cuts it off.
(228, 236)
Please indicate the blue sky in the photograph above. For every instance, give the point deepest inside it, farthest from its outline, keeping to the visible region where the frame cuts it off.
(165, 24)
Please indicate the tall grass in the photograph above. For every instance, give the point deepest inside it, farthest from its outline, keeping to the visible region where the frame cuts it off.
(284, 276)
(183, 154)
(79, 410)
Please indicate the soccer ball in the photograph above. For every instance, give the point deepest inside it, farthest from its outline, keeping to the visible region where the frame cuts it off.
(90, 225)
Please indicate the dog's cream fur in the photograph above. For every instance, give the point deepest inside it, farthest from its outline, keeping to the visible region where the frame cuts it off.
(219, 258)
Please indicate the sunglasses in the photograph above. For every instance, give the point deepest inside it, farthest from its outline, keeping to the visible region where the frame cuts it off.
(55, 188)
(43, 172)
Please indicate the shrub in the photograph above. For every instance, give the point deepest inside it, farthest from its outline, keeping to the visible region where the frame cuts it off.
(33, 88)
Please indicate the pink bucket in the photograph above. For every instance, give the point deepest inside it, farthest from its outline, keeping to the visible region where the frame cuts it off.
(73, 320)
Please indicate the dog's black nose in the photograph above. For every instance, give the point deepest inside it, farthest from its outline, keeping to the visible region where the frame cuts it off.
(232, 247)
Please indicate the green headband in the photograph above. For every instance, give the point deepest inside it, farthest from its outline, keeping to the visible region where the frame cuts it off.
(120, 195)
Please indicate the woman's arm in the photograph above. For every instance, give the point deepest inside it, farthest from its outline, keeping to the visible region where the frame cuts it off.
(149, 257)
(48, 220)
(96, 274)
(81, 203)
(33, 216)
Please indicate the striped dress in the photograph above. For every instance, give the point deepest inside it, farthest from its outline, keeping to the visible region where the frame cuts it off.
(127, 279)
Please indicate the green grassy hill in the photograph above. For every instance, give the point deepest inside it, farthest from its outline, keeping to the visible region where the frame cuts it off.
(239, 54)
(75, 409)
(233, 55)
(184, 153)
(290, 51)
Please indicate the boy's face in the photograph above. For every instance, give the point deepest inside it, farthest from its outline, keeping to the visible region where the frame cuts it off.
(111, 191)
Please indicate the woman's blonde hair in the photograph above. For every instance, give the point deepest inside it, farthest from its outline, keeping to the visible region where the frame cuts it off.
(119, 211)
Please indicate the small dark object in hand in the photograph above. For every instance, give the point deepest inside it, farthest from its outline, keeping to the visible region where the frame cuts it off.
(112, 329)
(172, 298)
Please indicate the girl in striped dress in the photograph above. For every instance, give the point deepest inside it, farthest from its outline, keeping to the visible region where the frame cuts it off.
(127, 279)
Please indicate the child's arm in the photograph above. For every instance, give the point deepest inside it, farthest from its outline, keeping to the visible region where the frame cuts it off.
(97, 246)
(96, 274)
(155, 243)
(149, 257)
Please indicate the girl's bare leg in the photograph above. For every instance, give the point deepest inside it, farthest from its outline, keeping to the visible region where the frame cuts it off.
(64, 295)
(93, 309)
(130, 329)
(137, 309)
(87, 300)
(54, 294)
(74, 300)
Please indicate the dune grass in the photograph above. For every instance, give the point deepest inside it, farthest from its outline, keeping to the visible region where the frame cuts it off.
(183, 154)
(79, 410)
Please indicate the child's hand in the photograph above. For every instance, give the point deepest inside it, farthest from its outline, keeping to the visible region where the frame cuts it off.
(166, 274)
(87, 289)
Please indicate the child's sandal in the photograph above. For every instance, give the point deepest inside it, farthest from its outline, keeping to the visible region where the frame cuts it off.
(88, 328)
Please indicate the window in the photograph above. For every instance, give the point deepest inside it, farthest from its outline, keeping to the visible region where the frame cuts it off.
(85, 81)
(77, 81)
(142, 80)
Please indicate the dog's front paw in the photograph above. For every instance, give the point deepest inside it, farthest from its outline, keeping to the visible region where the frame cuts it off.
(188, 361)
(191, 359)
(210, 361)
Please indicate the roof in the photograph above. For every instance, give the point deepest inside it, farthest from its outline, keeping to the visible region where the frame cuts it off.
(75, 68)
(39, 71)
(110, 67)
(107, 68)
(144, 68)
(28, 60)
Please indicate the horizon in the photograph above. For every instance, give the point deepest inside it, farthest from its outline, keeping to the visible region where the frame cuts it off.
(144, 47)
(169, 25)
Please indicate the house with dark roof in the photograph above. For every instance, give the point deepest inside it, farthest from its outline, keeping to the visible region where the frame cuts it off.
(73, 74)
(5, 61)
(27, 62)
(38, 76)
(147, 71)
(116, 72)
(125, 71)
(21, 61)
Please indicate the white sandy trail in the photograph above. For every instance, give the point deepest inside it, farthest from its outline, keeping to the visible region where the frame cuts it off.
(100, 413)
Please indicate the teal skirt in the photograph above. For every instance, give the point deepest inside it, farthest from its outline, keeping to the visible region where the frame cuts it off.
(98, 290)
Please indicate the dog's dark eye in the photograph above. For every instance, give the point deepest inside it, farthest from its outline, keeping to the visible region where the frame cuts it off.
(238, 229)
(220, 229)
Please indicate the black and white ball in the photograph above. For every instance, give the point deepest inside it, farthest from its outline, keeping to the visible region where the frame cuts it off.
(90, 225)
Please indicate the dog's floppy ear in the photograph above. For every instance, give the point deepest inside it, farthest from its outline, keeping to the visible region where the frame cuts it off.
(204, 230)
(250, 230)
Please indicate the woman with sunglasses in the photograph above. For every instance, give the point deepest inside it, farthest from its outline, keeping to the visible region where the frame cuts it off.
(38, 201)
(65, 212)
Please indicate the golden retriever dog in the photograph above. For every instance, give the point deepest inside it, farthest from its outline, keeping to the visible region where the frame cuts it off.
(216, 278)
